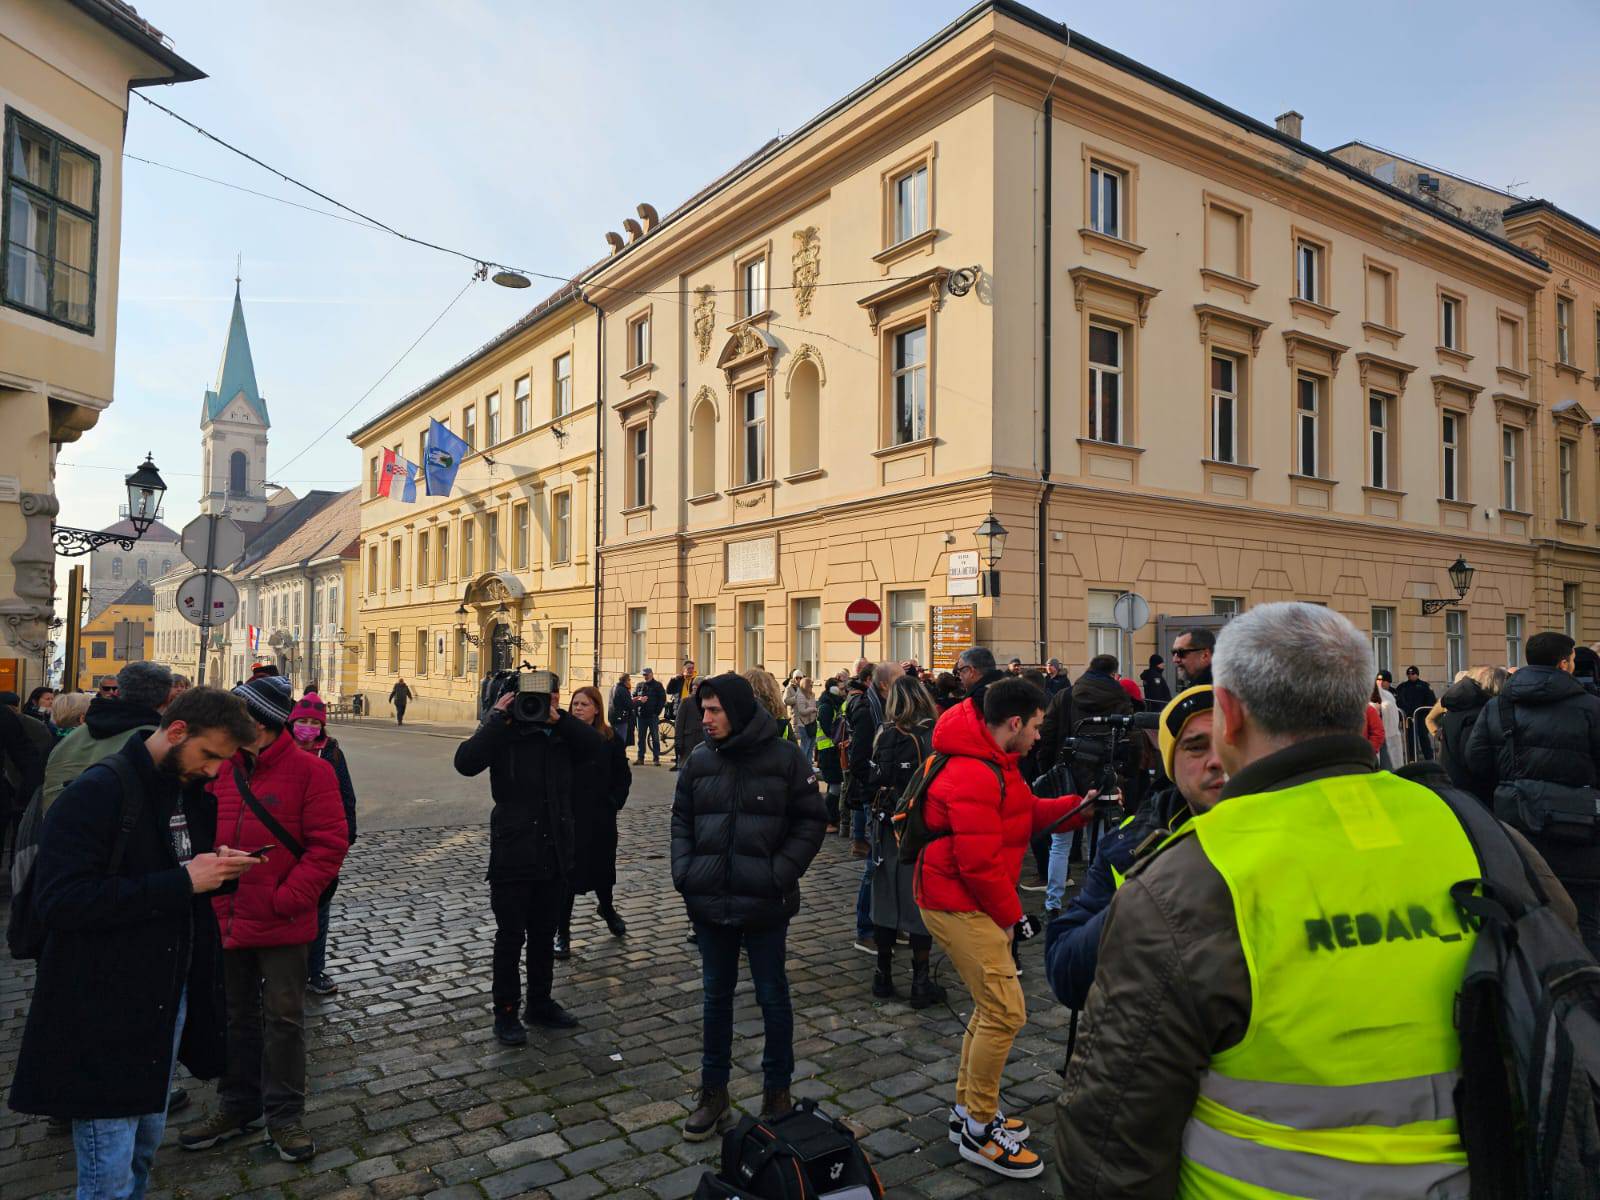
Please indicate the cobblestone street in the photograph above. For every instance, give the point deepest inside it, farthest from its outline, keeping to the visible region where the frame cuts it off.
(411, 1095)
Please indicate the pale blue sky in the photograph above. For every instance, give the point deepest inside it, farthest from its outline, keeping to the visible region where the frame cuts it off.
(523, 131)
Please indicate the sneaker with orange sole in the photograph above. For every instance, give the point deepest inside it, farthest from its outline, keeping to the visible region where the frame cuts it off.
(1000, 1152)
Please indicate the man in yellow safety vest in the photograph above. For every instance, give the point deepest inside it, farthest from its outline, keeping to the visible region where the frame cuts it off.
(1272, 1008)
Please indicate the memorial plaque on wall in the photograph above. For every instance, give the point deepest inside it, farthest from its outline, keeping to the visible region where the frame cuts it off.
(954, 628)
(753, 561)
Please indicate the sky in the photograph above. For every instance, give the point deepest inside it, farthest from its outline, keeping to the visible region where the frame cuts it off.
(522, 132)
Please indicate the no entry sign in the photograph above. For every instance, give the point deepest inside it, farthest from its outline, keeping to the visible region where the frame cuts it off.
(863, 617)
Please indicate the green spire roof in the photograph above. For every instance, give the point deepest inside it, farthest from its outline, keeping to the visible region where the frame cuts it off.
(238, 371)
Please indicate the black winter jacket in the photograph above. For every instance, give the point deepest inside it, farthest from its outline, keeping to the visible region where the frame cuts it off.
(532, 778)
(649, 699)
(1557, 740)
(896, 756)
(1463, 702)
(603, 781)
(118, 951)
(622, 705)
(746, 822)
(1412, 695)
(865, 712)
(830, 706)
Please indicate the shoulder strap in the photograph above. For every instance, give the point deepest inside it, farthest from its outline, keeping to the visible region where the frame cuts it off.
(1504, 716)
(1498, 855)
(285, 839)
(130, 808)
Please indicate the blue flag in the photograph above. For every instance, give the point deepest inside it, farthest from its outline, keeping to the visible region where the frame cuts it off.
(441, 458)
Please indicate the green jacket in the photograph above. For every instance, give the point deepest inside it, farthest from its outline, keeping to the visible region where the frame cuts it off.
(105, 730)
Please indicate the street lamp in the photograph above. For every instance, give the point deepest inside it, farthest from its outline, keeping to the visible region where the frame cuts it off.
(474, 639)
(993, 534)
(145, 490)
(1460, 578)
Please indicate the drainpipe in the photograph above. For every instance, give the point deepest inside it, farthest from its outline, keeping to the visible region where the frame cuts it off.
(599, 463)
(1044, 359)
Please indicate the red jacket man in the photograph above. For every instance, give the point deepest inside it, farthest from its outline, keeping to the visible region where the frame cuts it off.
(966, 887)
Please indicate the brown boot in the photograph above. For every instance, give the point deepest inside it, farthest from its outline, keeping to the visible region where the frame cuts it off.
(775, 1102)
(859, 848)
(709, 1116)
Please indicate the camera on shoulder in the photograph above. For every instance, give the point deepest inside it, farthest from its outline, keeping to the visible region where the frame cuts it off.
(533, 692)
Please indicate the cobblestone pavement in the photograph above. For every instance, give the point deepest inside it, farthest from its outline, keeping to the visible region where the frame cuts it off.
(411, 1095)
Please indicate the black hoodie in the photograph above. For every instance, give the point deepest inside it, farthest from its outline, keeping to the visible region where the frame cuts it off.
(1463, 701)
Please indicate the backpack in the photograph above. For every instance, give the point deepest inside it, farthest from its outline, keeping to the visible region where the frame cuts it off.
(25, 933)
(909, 823)
(1560, 812)
(801, 1155)
(1528, 1015)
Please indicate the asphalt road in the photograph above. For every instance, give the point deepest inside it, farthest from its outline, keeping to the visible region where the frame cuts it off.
(405, 778)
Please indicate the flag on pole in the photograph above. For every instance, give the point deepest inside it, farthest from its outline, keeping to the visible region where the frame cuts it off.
(253, 637)
(396, 467)
(441, 458)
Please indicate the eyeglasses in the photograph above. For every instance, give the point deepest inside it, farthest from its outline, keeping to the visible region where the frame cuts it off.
(1177, 653)
(109, 689)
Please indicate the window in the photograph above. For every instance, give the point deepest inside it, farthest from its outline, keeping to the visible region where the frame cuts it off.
(1510, 467)
(394, 651)
(1571, 622)
(166, 566)
(705, 638)
(910, 203)
(637, 618)
(491, 542)
(910, 385)
(1380, 295)
(1308, 268)
(1450, 468)
(491, 419)
(372, 477)
(116, 568)
(639, 341)
(1380, 428)
(238, 474)
(753, 435)
(753, 287)
(1105, 384)
(372, 570)
(1224, 408)
(1597, 341)
(519, 524)
(561, 527)
(1227, 248)
(423, 578)
(1565, 457)
(1106, 188)
(468, 550)
(51, 221)
(460, 661)
(1450, 322)
(808, 636)
(522, 401)
(97, 650)
(1514, 624)
(422, 652)
(1227, 606)
(561, 652)
(753, 627)
(1563, 330)
(908, 625)
(394, 568)
(561, 384)
(703, 448)
(638, 465)
(1383, 638)
(372, 652)
(444, 553)
(1455, 642)
(1104, 635)
(1308, 427)
(143, 567)
(469, 426)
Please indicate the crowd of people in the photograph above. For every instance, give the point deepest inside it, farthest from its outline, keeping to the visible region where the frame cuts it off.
(192, 840)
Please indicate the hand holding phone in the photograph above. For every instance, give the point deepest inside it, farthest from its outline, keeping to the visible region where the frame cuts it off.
(262, 853)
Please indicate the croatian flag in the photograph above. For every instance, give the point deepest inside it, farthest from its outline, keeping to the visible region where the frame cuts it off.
(395, 467)
(441, 458)
(253, 637)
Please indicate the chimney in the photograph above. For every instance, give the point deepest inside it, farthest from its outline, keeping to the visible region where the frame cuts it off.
(1289, 123)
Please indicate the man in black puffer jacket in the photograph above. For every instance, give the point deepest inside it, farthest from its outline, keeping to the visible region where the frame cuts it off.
(1545, 728)
(747, 820)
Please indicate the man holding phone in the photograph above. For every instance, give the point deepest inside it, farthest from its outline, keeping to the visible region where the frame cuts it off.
(129, 977)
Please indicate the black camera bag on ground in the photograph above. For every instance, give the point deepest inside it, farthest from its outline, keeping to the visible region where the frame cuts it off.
(801, 1155)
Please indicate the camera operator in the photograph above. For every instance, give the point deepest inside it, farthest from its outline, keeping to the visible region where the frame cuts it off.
(1072, 942)
(532, 839)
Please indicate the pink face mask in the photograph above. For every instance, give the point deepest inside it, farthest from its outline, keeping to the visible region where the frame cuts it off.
(306, 732)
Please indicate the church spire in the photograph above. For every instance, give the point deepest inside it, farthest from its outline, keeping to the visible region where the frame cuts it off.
(236, 375)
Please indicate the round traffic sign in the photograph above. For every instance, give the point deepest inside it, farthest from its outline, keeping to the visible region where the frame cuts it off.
(1131, 612)
(863, 617)
(191, 600)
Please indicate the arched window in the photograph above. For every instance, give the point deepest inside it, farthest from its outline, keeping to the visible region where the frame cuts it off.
(144, 568)
(805, 402)
(116, 568)
(166, 566)
(238, 467)
(703, 447)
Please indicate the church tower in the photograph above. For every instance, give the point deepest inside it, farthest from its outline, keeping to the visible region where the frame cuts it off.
(233, 431)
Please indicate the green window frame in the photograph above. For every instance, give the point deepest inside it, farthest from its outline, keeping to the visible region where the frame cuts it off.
(43, 200)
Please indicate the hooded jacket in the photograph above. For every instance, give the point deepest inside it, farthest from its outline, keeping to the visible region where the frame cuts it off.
(105, 730)
(747, 818)
(1557, 740)
(276, 903)
(1463, 703)
(980, 828)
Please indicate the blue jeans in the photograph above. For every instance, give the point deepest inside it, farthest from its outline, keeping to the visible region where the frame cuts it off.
(719, 958)
(650, 730)
(864, 902)
(317, 953)
(1056, 882)
(858, 823)
(115, 1153)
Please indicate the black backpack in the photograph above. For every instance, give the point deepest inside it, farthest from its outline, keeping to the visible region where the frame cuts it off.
(1558, 812)
(25, 933)
(1528, 1014)
(801, 1155)
(909, 822)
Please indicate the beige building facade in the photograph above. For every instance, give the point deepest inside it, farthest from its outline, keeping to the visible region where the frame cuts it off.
(66, 75)
(502, 570)
(1246, 371)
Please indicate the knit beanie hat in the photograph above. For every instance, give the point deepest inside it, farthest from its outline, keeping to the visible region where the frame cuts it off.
(1176, 715)
(268, 697)
(737, 696)
(310, 708)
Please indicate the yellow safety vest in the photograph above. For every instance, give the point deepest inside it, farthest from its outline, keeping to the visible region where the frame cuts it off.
(1342, 1084)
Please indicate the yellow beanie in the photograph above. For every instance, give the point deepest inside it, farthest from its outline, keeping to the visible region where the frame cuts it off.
(1176, 715)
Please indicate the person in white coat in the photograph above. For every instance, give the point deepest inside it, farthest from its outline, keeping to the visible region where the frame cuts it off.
(1389, 709)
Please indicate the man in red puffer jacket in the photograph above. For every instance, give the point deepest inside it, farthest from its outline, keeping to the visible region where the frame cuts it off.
(268, 924)
(982, 816)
